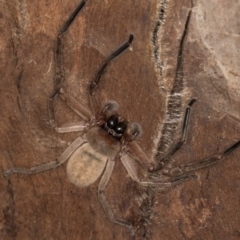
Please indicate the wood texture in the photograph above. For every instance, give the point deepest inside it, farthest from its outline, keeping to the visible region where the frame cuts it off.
(47, 205)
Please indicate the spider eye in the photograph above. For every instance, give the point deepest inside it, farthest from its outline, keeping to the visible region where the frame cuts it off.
(112, 122)
(121, 127)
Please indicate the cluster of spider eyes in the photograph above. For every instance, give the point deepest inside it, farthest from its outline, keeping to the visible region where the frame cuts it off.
(117, 126)
(114, 124)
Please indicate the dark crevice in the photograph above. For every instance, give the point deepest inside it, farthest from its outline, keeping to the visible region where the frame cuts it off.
(18, 103)
(174, 106)
(14, 51)
(19, 88)
(19, 80)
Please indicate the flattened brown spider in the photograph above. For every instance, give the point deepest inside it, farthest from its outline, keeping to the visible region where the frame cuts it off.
(106, 136)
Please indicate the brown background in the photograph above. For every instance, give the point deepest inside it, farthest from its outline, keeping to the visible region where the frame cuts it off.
(47, 206)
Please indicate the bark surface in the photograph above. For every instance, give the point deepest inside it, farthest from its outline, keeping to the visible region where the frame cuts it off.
(47, 205)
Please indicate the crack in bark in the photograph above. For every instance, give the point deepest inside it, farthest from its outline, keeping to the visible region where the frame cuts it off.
(174, 106)
(18, 88)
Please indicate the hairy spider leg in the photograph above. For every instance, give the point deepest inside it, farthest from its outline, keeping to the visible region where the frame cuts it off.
(176, 173)
(50, 165)
(184, 169)
(74, 104)
(101, 196)
(60, 78)
(59, 75)
(94, 102)
(114, 55)
(128, 162)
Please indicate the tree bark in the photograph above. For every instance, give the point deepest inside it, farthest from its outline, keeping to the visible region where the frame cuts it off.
(193, 46)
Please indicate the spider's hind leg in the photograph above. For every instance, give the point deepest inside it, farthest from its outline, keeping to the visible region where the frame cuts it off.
(101, 196)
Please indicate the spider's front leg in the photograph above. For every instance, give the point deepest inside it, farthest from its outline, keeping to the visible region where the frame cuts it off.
(76, 106)
(94, 102)
(60, 77)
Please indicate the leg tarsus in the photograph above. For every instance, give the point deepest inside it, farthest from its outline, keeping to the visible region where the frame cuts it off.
(72, 17)
(231, 148)
(115, 54)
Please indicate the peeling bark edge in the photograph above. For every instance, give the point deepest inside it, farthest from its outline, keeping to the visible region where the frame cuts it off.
(161, 12)
(174, 112)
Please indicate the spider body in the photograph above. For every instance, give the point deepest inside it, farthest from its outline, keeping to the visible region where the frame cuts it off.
(102, 141)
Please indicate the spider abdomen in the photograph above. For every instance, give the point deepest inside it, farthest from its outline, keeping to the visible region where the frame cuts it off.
(85, 166)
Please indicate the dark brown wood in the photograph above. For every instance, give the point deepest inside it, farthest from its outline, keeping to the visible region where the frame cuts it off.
(47, 205)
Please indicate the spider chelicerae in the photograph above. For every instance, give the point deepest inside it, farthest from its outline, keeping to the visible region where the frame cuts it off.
(106, 137)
